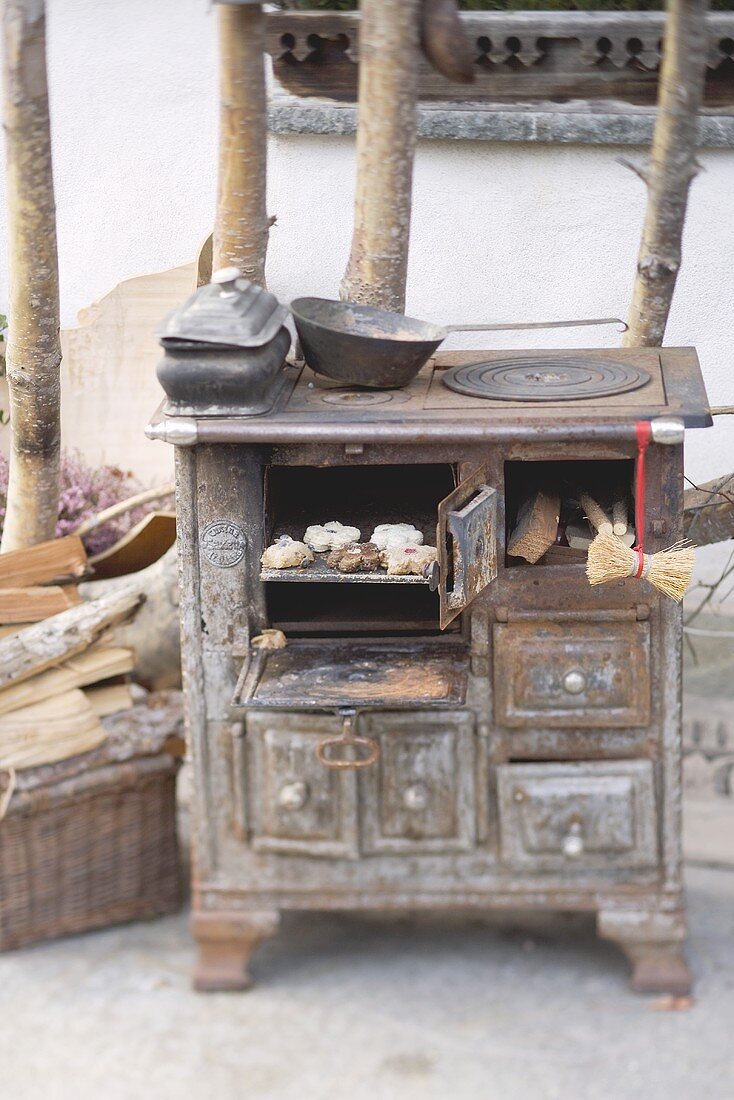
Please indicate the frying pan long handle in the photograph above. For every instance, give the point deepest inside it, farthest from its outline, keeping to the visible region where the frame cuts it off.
(498, 327)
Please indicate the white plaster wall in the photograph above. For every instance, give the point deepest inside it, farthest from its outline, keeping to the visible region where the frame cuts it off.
(499, 231)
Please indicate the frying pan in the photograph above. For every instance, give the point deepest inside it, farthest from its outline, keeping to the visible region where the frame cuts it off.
(363, 346)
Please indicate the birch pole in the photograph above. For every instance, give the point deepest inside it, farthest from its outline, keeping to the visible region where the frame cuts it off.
(668, 174)
(34, 349)
(241, 226)
(388, 79)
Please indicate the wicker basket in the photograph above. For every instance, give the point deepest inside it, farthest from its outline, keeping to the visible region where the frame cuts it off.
(92, 841)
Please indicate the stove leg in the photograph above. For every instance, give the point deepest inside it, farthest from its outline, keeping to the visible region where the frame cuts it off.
(653, 942)
(225, 943)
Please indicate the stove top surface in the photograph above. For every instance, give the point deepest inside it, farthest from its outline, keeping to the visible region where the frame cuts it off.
(527, 384)
(477, 395)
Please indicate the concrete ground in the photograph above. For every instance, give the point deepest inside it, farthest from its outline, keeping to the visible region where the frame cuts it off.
(357, 1007)
(374, 1008)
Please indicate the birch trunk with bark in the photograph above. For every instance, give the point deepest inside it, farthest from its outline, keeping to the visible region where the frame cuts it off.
(34, 349)
(388, 80)
(668, 174)
(241, 226)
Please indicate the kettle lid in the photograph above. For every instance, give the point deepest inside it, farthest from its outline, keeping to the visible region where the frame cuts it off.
(230, 312)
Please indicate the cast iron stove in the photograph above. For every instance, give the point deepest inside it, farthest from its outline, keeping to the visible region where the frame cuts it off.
(521, 729)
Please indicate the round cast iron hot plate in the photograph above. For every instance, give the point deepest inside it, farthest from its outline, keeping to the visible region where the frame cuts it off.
(536, 378)
(360, 398)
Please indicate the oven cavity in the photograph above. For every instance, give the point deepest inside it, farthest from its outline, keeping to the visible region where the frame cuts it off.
(352, 609)
(365, 525)
(315, 503)
(554, 509)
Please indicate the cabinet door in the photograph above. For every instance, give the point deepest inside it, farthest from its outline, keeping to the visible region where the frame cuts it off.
(466, 540)
(297, 806)
(420, 795)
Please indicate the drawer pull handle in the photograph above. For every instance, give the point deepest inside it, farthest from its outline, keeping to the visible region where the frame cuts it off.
(293, 796)
(574, 682)
(572, 844)
(416, 797)
(366, 750)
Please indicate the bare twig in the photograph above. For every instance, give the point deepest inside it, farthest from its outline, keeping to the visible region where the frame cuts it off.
(708, 514)
(713, 488)
(123, 506)
(712, 589)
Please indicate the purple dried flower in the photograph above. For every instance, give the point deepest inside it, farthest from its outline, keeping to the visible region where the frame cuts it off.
(85, 491)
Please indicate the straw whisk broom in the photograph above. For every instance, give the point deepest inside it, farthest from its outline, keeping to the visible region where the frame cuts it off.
(609, 559)
(669, 570)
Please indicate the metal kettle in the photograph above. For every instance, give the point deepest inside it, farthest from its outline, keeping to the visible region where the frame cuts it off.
(224, 349)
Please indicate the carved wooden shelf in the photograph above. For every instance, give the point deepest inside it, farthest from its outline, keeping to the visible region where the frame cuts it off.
(519, 56)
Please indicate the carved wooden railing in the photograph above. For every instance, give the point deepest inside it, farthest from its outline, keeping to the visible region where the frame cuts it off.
(519, 56)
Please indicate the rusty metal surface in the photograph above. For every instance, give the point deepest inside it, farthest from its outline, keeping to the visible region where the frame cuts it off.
(466, 539)
(296, 805)
(646, 362)
(422, 794)
(318, 571)
(544, 378)
(554, 674)
(578, 816)
(676, 389)
(336, 673)
(424, 826)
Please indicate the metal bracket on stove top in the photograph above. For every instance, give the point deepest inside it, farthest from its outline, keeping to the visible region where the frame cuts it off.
(667, 429)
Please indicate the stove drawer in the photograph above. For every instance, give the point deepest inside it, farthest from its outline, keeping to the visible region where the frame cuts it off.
(420, 794)
(584, 817)
(297, 806)
(593, 674)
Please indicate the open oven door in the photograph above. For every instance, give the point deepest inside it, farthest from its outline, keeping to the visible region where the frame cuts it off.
(466, 540)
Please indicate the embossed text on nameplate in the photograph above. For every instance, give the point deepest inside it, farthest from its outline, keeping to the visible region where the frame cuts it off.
(223, 543)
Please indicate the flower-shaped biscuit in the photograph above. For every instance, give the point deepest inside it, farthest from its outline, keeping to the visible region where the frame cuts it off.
(401, 561)
(286, 553)
(330, 536)
(389, 535)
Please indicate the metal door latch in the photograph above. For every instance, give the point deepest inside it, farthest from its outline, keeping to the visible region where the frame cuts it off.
(352, 742)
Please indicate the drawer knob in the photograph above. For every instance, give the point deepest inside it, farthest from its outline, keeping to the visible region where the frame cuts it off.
(574, 682)
(293, 796)
(572, 844)
(415, 797)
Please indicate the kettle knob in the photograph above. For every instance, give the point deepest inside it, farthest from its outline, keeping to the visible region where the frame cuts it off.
(227, 278)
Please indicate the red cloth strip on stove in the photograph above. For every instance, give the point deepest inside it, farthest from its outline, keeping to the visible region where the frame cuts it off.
(643, 431)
